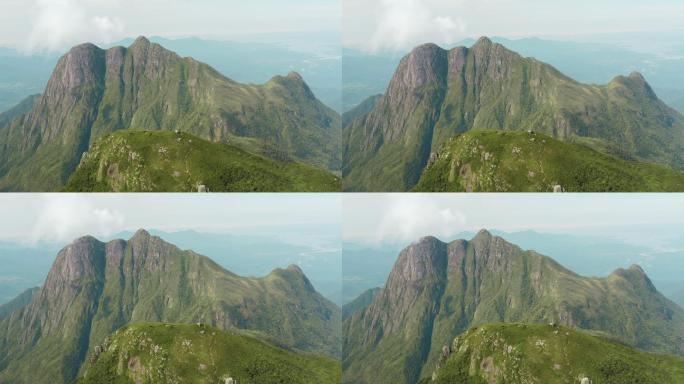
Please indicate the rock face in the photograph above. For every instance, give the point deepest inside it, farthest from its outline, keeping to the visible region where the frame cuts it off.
(93, 92)
(438, 290)
(437, 94)
(95, 288)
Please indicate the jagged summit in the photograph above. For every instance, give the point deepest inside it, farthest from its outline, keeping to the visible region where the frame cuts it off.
(437, 95)
(483, 41)
(483, 233)
(141, 234)
(141, 40)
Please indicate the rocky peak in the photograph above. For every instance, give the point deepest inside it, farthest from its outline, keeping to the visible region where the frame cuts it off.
(141, 42)
(83, 258)
(294, 83)
(483, 42)
(83, 65)
(426, 64)
(140, 235)
(636, 276)
(422, 260)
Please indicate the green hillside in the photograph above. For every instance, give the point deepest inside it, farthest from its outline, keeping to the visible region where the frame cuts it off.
(94, 92)
(162, 161)
(182, 353)
(534, 353)
(436, 94)
(513, 161)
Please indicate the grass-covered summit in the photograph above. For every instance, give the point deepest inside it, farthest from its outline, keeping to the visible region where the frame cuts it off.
(514, 161)
(93, 92)
(537, 353)
(148, 161)
(436, 94)
(157, 353)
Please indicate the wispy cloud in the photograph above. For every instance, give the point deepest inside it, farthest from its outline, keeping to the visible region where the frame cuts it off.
(59, 24)
(406, 22)
(62, 218)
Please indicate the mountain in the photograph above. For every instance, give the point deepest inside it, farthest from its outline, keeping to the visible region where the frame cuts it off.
(184, 353)
(23, 107)
(360, 110)
(17, 303)
(437, 94)
(160, 161)
(364, 299)
(94, 92)
(522, 353)
(513, 161)
(95, 288)
(437, 290)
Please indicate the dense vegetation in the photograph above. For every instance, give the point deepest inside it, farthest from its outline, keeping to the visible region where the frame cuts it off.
(512, 161)
(534, 353)
(148, 161)
(157, 353)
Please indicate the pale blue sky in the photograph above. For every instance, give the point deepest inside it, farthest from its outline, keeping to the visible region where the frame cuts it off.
(401, 24)
(63, 217)
(58, 24)
(404, 218)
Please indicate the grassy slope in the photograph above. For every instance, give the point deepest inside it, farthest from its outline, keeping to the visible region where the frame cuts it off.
(175, 353)
(147, 161)
(511, 161)
(526, 353)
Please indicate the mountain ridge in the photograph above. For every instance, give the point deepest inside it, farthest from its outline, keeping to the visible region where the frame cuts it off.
(438, 290)
(436, 94)
(93, 92)
(94, 288)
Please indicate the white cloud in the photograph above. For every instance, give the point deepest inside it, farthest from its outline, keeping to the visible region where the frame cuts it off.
(59, 24)
(62, 218)
(404, 23)
(406, 218)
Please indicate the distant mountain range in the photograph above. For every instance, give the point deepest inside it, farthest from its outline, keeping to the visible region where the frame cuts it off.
(437, 290)
(436, 95)
(95, 288)
(94, 92)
